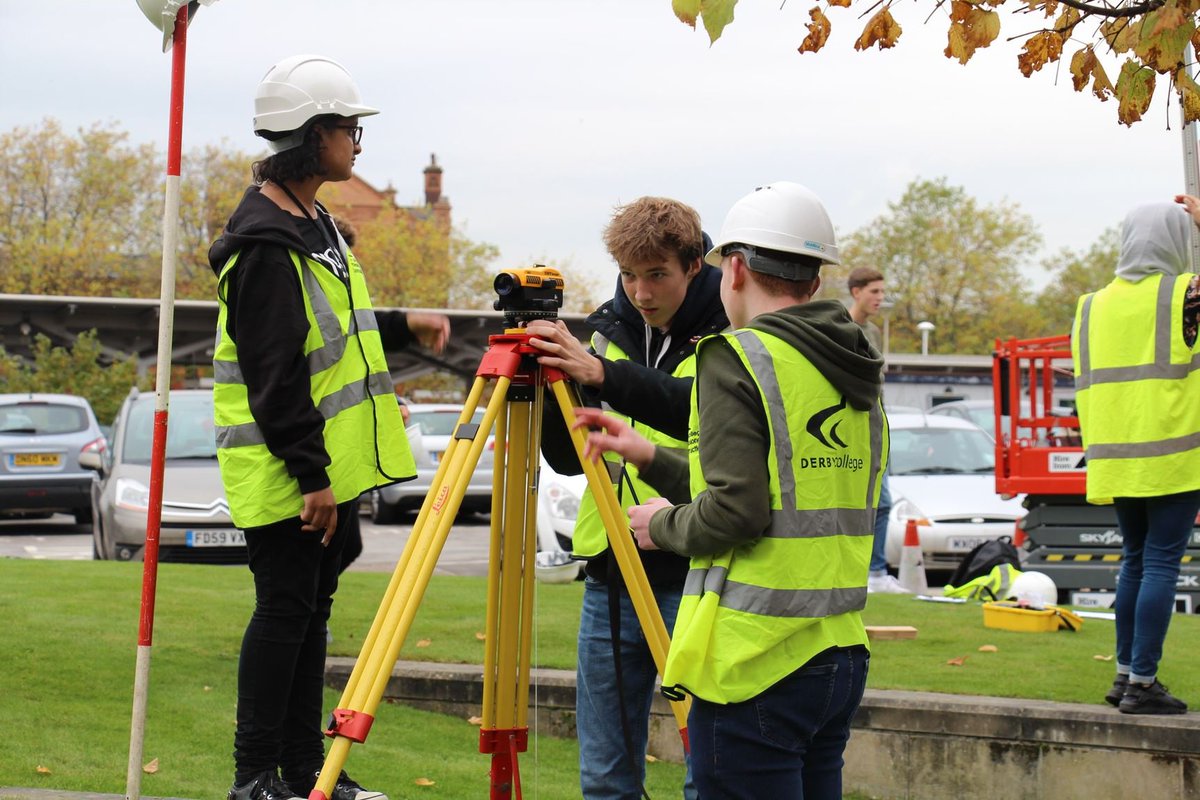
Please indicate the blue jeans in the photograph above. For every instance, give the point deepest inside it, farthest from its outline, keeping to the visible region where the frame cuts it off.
(1156, 531)
(786, 742)
(878, 552)
(605, 771)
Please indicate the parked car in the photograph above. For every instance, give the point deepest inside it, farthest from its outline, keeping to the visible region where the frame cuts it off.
(195, 526)
(943, 476)
(978, 412)
(42, 437)
(430, 426)
(558, 506)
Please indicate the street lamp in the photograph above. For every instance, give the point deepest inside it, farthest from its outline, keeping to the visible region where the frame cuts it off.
(925, 328)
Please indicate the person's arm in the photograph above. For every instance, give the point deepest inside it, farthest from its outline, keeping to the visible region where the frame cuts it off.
(399, 330)
(734, 446)
(270, 327)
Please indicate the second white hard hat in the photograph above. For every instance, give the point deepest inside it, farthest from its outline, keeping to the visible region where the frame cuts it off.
(782, 216)
(297, 90)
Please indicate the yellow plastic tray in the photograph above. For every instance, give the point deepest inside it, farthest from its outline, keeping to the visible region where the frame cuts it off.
(1008, 616)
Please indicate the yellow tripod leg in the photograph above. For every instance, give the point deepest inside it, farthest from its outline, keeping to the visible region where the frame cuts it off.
(381, 648)
(625, 551)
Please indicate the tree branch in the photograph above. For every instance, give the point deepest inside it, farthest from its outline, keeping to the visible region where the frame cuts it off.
(1125, 11)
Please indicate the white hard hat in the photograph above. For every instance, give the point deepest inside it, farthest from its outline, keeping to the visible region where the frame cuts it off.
(162, 13)
(1036, 589)
(296, 91)
(555, 566)
(784, 217)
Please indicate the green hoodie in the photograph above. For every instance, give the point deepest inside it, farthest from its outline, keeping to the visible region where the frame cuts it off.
(735, 509)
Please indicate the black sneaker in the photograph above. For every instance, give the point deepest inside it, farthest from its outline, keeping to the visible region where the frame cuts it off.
(1120, 683)
(346, 788)
(1154, 698)
(263, 786)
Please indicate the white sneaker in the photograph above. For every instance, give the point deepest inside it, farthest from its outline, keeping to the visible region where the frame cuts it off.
(884, 584)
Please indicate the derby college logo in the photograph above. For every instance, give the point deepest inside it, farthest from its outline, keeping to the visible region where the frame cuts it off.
(823, 430)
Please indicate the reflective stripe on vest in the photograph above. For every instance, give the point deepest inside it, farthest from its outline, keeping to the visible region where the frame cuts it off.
(1137, 386)
(755, 614)
(589, 538)
(349, 386)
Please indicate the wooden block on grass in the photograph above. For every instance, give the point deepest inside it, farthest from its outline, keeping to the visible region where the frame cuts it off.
(891, 632)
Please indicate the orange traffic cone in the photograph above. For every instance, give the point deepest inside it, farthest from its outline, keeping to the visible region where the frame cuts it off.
(912, 565)
(1019, 537)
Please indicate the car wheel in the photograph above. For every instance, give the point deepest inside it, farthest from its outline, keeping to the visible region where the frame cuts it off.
(83, 516)
(381, 512)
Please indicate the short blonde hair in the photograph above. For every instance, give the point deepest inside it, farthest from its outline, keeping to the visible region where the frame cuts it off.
(652, 229)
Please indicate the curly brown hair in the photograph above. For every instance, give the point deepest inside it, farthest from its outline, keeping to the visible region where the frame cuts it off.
(651, 230)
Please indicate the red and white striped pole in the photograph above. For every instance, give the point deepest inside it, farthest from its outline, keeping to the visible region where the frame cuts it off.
(162, 388)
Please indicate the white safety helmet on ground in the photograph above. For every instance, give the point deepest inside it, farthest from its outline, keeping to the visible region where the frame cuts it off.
(1035, 589)
(162, 14)
(781, 219)
(555, 566)
(299, 89)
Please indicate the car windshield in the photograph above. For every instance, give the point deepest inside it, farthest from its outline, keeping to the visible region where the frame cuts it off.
(440, 423)
(941, 451)
(190, 432)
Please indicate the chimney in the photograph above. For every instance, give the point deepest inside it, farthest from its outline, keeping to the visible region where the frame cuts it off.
(433, 181)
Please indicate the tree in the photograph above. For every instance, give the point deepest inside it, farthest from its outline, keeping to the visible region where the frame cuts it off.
(949, 261)
(78, 371)
(1073, 274)
(1152, 36)
(75, 211)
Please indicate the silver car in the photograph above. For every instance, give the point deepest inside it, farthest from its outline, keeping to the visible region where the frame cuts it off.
(195, 526)
(42, 438)
(430, 426)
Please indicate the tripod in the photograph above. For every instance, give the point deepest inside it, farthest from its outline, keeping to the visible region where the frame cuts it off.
(515, 410)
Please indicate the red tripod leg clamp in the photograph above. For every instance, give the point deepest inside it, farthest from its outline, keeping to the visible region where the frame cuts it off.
(349, 724)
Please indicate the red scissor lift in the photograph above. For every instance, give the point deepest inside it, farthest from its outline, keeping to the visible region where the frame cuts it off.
(1039, 453)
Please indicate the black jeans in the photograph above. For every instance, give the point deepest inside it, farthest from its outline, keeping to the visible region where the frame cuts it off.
(282, 666)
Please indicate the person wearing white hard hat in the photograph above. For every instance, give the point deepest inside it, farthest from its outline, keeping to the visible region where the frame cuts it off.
(1135, 355)
(306, 415)
(783, 467)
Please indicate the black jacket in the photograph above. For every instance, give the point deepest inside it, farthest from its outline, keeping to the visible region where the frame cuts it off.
(267, 322)
(649, 394)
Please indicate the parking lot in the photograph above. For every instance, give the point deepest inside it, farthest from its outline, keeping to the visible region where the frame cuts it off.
(60, 539)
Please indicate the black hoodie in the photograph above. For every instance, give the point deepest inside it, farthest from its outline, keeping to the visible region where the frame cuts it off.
(268, 323)
(642, 387)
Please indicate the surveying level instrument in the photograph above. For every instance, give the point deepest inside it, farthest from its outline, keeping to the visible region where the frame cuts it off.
(515, 411)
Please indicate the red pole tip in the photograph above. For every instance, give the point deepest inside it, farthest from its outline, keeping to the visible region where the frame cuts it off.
(317, 794)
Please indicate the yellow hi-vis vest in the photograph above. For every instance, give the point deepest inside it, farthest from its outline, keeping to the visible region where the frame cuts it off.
(589, 538)
(1137, 389)
(754, 614)
(350, 387)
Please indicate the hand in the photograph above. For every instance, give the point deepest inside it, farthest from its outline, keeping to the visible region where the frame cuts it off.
(614, 436)
(426, 325)
(1191, 204)
(563, 351)
(320, 513)
(639, 521)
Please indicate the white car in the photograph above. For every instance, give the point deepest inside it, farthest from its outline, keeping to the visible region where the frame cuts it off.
(943, 476)
(558, 506)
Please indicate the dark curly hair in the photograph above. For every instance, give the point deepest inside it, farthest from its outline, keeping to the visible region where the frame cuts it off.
(296, 164)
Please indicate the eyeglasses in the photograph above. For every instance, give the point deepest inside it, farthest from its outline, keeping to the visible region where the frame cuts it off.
(355, 131)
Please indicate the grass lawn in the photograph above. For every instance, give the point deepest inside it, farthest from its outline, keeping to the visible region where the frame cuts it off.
(70, 633)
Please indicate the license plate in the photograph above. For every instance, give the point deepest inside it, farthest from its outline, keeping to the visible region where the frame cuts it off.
(964, 544)
(217, 537)
(36, 459)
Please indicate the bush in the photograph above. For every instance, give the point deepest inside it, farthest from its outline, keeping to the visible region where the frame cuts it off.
(81, 370)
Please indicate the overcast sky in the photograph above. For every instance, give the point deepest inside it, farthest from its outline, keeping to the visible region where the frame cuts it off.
(546, 114)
